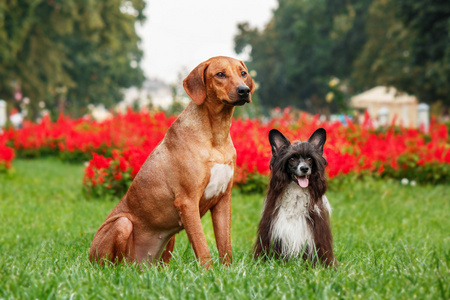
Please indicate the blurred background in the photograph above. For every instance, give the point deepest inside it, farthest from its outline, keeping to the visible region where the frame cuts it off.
(329, 57)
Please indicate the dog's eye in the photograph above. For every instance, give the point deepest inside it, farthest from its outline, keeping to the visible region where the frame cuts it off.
(243, 74)
(221, 75)
(292, 159)
(308, 159)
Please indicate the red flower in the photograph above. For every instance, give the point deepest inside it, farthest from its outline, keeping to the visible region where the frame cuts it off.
(118, 176)
(130, 137)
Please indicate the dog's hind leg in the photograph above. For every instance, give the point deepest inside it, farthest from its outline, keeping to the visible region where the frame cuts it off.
(167, 254)
(113, 241)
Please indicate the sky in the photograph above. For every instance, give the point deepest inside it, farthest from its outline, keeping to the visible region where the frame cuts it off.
(178, 35)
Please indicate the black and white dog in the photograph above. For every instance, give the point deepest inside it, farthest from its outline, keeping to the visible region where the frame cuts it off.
(296, 215)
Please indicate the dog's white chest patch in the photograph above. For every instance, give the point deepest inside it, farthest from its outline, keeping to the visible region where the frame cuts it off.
(221, 175)
(290, 226)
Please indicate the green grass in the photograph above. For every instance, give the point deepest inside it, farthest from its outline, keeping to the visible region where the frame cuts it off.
(392, 241)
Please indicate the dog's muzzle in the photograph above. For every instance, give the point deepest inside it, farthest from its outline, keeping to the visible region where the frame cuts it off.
(243, 96)
(301, 174)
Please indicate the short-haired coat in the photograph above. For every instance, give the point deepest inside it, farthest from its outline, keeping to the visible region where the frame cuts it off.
(187, 174)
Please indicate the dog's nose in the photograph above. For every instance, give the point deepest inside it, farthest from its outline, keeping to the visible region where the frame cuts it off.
(304, 169)
(243, 90)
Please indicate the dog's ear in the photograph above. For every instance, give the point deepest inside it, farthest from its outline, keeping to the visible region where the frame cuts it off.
(194, 83)
(278, 141)
(248, 81)
(318, 139)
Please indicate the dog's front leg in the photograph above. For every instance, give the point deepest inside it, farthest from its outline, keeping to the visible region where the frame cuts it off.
(221, 218)
(190, 219)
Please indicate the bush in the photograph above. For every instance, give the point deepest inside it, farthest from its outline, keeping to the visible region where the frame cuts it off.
(110, 176)
(127, 139)
(6, 156)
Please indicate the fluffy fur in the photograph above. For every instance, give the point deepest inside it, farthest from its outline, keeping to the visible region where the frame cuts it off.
(295, 220)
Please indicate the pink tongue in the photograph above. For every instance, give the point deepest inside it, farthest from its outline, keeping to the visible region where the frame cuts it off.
(303, 182)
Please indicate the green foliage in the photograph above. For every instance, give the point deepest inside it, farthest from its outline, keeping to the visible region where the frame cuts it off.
(385, 56)
(255, 184)
(33, 153)
(430, 173)
(408, 47)
(3, 168)
(69, 53)
(429, 23)
(74, 156)
(305, 43)
(391, 241)
(398, 43)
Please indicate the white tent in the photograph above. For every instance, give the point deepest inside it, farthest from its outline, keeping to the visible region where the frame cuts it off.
(379, 100)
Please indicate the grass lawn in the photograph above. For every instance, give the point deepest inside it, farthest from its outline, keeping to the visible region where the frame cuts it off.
(393, 242)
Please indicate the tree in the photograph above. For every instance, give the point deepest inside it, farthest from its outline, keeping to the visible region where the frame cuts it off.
(408, 47)
(304, 45)
(385, 54)
(68, 53)
(429, 22)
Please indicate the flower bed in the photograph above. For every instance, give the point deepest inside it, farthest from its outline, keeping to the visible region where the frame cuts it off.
(396, 152)
(6, 155)
(122, 144)
(76, 140)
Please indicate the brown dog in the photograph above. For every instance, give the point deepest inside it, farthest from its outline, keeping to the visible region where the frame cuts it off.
(187, 174)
